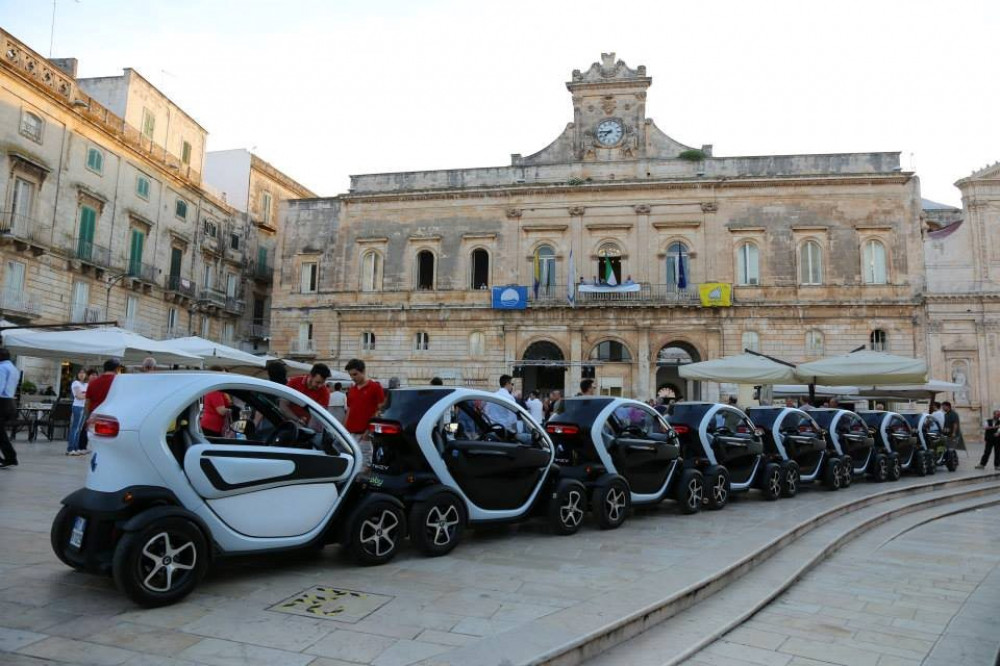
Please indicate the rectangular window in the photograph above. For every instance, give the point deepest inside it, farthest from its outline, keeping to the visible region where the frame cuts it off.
(229, 333)
(258, 311)
(230, 285)
(176, 256)
(148, 124)
(13, 280)
(181, 209)
(310, 273)
(31, 126)
(172, 319)
(234, 241)
(142, 186)
(210, 229)
(85, 242)
(261, 260)
(206, 328)
(135, 253)
(305, 337)
(20, 214)
(81, 299)
(95, 160)
(208, 276)
(186, 153)
(131, 311)
(265, 207)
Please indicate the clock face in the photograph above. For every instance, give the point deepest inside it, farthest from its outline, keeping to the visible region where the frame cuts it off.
(609, 132)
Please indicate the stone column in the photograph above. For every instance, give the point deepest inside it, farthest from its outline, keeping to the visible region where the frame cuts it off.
(643, 390)
(575, 357)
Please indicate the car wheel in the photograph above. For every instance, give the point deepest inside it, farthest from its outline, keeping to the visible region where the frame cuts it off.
(691, 491)
(161, 563)
(832, 474)
(62, 525)
(895, 467)
(717, 487)
(846, 472)
(567, 507)
(951, 460)
(772, 482)
(790, 480)
(931, 462)
(436, 524)
(610, 503)
(375, 532)
(919, 464)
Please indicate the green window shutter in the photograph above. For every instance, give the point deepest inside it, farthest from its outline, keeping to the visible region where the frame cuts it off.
(175, 264)
(88, 220)
(135, 257)
(262, 260)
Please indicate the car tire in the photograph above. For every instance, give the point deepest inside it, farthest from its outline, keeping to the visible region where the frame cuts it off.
(567, 507)
(717, 487)
(161, 563)
(951, 460)
(919, 464)
(931, 462)
(375, 532)
(771, 485)
(691, 491)
(791, 478)
(610, 502)
(846, 471)
(832, 474)
(880, 467)
(895, 467)
(436, 524)
(62, 525)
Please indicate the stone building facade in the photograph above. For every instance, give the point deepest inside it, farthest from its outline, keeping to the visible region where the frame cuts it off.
(106, 214)
(823, 254)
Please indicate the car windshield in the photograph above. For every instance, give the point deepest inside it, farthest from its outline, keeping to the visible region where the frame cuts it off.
(688, 414)
(407, 406)
(580, 411)
(824, 417)
(872, 418)
(764, 416)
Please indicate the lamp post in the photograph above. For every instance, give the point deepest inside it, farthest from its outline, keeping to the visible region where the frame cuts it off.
(112, 281)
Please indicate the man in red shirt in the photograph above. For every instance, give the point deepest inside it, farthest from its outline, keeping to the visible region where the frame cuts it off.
(312, 385)
(363, 402)
(98, 388)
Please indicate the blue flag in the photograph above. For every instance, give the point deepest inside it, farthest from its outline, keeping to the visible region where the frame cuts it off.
(682, 282)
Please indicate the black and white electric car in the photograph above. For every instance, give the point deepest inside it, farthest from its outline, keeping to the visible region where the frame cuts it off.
(933, 440)
(455, 457)
(795, 441)
(896, 438)
(625, 453)
(727, 448)
(162, 499)
(851, 438)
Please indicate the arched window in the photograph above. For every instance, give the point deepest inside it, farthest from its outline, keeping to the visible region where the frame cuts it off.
(749, 265)
(609, 264)
(425, 269)
(810, 263)
(477, 344)
(814, 343)
(422, 341)
(480, 269)
(371, 271)
(878, 340)
(611, 351)
(875, 267)
(678, 268)
(545, 270)
(368, 341)
(751, 341)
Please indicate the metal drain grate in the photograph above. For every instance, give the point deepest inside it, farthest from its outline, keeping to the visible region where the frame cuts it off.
(332, 604)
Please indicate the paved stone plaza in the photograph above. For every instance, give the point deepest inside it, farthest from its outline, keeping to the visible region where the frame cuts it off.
(499, 588)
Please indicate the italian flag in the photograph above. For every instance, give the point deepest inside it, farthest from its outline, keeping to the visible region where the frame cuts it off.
(609, 273)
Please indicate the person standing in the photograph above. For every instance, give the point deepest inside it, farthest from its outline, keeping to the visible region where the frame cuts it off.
(952, 427)
(312, 385)
(338, 402)
(938, 414)
(535, 407)
(79, 391)
(10, 376)
(992, 436)
(497, 414)
(148, 364)
(588, 387)
(277, 372)
(215, 413)
(98, 388)
(363, 401)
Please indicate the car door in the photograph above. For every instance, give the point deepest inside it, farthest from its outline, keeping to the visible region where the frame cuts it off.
(901, 436)
(802, 441)
(281, 486)
(854, 437)
(644, 449)
(734, 442)
(497, 457)
(933, 435)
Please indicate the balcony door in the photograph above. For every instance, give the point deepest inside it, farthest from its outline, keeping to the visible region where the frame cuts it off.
(135, 253)
(88, 221)
(176, 255)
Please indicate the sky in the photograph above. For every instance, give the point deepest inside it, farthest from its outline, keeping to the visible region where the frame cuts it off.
(327, 88)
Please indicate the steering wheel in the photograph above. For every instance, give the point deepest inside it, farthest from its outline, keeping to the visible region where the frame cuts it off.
(286, 430)
(634, 430)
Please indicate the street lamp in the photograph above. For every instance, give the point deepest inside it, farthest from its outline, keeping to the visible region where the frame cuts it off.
(112, 281)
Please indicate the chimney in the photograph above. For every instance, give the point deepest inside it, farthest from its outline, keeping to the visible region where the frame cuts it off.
(68, 65)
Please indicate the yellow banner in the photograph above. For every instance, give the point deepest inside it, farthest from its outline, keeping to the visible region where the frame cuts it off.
(716, 294)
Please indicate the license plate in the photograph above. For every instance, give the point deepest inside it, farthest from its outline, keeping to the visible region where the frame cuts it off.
(76, 537)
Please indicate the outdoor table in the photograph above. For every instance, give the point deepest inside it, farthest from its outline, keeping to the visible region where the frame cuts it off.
(30, 415)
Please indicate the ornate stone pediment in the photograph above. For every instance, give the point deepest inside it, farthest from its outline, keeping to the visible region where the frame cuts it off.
(608, 69)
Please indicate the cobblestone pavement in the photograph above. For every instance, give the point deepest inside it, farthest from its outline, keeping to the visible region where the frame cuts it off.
(928, 596)
(497, 581)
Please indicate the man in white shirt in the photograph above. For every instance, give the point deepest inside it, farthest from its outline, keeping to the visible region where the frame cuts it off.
(497, 414)
(338, 402)
(938, 415)
(9, 378)
(535, 407)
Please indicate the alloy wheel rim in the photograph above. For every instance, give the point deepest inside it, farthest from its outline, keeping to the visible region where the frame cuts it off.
(441, 525)
(719, 489)
(162, 558)
(696, 493)
(571, 513)
(377, 536)
(774, 483)
(792, 479)
(615, 502)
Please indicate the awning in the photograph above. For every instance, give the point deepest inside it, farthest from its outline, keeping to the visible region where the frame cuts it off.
(93, 345)
(910, 391)
(740, 369)
(214, 353)
(864, 368)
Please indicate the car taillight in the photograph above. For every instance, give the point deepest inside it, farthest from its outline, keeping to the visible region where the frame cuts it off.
(743, 430)
(559, 429)
(103, 426)
(384, 428)
(806, 429)
(681, 429)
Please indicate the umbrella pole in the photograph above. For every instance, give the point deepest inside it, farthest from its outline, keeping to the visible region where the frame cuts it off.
(812, 392)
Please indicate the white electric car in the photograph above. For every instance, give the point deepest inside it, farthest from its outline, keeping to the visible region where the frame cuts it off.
(163, 499)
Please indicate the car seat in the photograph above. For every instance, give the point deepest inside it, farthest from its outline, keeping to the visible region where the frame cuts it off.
(180, 440)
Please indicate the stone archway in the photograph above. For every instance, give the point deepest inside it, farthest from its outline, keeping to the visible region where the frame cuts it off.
(545, 370)
(670, 357)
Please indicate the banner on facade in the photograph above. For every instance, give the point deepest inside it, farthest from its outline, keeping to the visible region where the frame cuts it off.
(512, 297)
(716, 294)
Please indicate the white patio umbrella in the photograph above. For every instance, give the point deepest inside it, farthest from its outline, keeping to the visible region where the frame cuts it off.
(214, 353)
(791, 390)
(864, 368)
(90, 345)
(910, 391)
(740, 369)
(299, 367)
